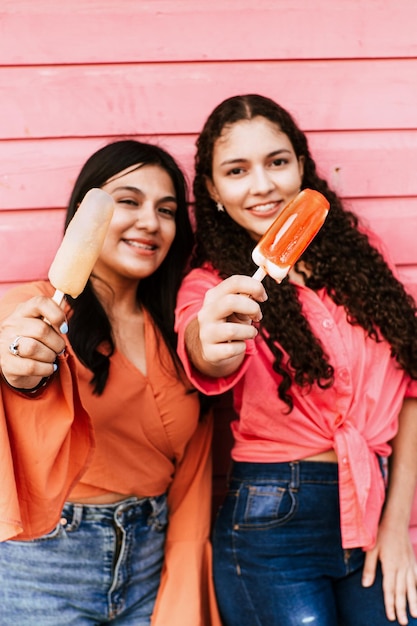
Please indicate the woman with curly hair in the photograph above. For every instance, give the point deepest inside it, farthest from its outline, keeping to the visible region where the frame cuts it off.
(322, 368)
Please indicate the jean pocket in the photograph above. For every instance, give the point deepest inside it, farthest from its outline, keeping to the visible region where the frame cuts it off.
(55, 533)
(265, 505)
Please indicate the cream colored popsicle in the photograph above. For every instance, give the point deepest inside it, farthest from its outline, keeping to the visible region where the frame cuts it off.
(81, 245)
(290, 234)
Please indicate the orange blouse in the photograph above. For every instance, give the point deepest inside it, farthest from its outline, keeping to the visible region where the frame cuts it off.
(141, 436)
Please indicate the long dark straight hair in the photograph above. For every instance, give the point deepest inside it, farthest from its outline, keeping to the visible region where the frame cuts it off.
(90, 332)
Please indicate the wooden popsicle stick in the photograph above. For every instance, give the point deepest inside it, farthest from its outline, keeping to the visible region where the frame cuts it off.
(259, 274)
(58, 296)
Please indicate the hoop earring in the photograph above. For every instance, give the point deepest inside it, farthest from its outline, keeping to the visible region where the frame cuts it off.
(220, 207)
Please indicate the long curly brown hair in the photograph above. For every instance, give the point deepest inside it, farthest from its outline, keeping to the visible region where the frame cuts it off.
(340, 259)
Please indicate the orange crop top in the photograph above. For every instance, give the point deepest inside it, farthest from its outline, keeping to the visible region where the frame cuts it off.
(142, 436)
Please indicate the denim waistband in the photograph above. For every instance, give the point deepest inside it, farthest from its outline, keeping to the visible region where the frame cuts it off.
(131, 508)
(294, 472)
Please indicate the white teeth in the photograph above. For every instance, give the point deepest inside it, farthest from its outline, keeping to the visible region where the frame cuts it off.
(136, 244)
(264, 207)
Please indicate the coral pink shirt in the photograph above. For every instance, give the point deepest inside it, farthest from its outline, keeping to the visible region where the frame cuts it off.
(356, 417)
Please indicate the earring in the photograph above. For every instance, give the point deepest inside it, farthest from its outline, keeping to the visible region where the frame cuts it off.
(220, 207)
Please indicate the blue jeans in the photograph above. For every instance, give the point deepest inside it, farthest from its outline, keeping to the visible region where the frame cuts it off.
(278, 558)
(100, 565)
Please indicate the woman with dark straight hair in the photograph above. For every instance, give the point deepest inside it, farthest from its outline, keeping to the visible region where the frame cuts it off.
(105, 457)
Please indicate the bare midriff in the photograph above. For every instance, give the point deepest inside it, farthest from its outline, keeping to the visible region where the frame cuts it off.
(104, 498)
(325, 457)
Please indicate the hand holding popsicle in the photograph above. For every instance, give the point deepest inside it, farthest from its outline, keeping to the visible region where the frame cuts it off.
(224, 323)
(23, 332)
(81, 245)
(290, 234)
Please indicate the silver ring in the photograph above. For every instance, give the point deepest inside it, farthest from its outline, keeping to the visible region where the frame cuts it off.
(14, 346)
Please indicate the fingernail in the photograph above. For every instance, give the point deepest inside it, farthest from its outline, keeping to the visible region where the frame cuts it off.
(55, 366)
(63, 328)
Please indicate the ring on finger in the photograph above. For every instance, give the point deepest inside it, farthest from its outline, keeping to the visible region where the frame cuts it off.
(14, 346)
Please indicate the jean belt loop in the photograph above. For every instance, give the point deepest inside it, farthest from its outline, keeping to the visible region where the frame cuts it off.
(155, 508)
(158, 514)
(295, 475)
(77, 515)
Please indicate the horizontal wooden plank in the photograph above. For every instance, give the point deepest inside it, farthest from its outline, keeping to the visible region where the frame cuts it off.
(88, 100)
(367, 163)
(28, 242)
(87, 31)
(394, 221)
(29, 239)
(408, 275)
(40, 174)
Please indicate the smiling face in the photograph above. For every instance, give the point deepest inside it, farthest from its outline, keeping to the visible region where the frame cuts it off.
(143, 225)
(255, 173)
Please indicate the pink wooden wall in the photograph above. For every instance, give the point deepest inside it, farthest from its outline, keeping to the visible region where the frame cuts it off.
(78, 73)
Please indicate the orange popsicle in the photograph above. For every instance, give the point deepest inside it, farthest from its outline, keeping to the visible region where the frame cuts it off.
(81, 245)
(290, 234)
